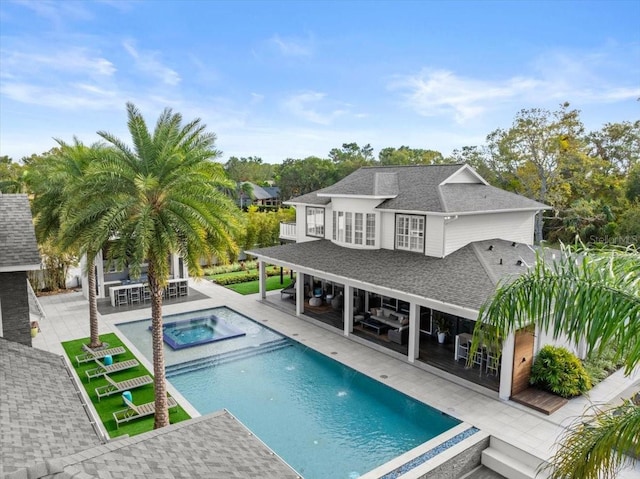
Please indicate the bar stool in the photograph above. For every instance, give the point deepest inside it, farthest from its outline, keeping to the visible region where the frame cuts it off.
(134, 295)
(463, 351)
(492, 363)
(478, 357)
(183, 288)
(146, 293)
(172, 290)
(122, 297)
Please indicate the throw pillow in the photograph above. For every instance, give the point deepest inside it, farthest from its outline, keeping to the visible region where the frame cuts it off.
(374, 311)
(405, 321)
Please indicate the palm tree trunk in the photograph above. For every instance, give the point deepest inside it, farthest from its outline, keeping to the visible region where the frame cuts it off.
(94, 341)
(159, 383)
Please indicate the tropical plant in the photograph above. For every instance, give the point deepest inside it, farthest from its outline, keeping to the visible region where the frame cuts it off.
(442, 323)
(58, 184)
(163, 195)
(558, 370)
(590, 295)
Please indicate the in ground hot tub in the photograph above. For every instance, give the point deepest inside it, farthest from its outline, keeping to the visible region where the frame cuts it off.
(193, 332)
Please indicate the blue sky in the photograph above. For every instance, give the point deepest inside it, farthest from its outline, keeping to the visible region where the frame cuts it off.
(284, 80)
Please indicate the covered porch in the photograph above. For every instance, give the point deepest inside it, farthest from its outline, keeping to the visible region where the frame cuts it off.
(321, 308)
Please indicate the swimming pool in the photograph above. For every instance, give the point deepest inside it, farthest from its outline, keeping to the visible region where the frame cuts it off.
(325, 419)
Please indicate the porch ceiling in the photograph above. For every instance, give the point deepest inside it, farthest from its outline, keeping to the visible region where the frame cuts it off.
(461, 279)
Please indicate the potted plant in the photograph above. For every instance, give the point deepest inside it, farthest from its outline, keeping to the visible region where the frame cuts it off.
(442, 327)
(35, 328)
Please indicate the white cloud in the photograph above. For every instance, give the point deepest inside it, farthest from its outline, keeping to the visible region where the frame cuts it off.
(72, 97)
(256, 98)
(586, 77)
(307, 105)
(148, 62)
(432, 93)
(57, 11)
(68, 61)
(292, 47)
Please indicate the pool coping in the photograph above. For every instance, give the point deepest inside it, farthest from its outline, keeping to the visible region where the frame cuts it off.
(428, 455)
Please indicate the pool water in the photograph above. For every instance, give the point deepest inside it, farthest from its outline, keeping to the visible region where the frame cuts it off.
(323, 418)
(193, 332)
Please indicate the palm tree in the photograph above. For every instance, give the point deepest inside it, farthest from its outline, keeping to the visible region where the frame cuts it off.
(56, 182)
(162, 196)
(590, 295)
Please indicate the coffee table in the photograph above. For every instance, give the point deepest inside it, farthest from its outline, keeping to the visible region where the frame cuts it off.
(377, 326)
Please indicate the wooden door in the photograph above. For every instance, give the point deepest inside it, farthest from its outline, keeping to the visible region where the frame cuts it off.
(522, 360)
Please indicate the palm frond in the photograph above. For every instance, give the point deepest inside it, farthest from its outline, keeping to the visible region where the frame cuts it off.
(597, 445)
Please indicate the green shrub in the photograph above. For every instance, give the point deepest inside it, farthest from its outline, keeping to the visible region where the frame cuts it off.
(243, 278)
(599, 366)
(559, 371)
(230, 268)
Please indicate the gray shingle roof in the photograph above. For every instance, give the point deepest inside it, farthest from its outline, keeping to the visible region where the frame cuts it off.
(41, 414)
(417, 188)
(212, 446)
(466, 278)
(18, 247)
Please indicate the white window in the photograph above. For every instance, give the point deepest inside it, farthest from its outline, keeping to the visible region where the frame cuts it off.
(410, 232)
(354, 228)
(340, 237)
(315, 222)
(357, 239)
(348, 230)
(335, 224)
(371, 229)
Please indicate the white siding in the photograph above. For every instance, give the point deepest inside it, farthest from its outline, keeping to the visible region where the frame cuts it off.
(463, 176)
(434, 237)
(515, 226)
(359, 205)
(387, 230)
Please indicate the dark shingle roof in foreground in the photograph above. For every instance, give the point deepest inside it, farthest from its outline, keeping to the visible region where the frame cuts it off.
(467, 277)
(18, 248)
(216, 445)
(41, 413)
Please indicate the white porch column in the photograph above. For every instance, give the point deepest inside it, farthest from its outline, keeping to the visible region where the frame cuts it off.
(299, 294)
(262, 275)
(98, 264)
(506, 366)
(175, 266)
(348, 310)
(414, 332)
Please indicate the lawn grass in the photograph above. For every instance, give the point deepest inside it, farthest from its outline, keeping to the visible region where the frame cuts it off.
(252, 287)
(108, 405)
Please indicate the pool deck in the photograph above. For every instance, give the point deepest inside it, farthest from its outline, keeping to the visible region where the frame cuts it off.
(532, 431)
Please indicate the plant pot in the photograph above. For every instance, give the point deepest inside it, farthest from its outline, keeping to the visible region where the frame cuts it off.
(441, 337)
(34, 332)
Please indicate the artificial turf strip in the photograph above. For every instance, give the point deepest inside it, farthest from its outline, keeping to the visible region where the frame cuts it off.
(252, 287)
(108, 405)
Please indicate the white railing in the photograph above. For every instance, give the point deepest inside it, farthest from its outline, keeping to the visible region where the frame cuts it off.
(34, 305)
(288, 231)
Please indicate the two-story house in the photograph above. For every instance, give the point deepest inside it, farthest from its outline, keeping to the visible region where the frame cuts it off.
(392, 256)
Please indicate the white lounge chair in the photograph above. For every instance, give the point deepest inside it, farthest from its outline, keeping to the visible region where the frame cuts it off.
(136, 412)
(90, 354)
(117, 387)
(103, 369)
